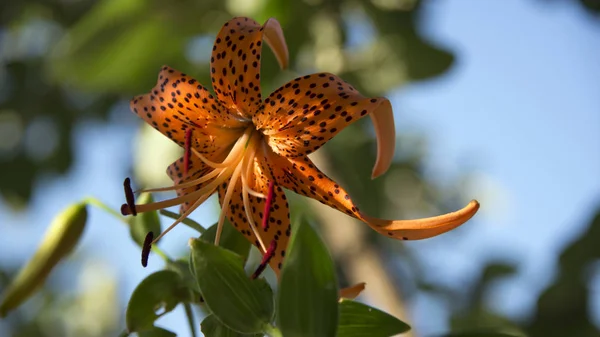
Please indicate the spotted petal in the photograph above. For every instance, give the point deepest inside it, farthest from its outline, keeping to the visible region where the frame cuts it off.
(302, 176)
(235, 62)
(278, 226)
(307, 112)
(178, 103)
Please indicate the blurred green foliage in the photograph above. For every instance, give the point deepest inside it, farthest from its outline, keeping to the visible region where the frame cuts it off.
(63, 62)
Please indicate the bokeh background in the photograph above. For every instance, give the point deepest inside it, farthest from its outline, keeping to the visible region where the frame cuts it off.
(494, 100)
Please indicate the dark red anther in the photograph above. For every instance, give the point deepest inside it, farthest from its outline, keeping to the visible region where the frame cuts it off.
(188, 150)
(267, 210)
(265, 260)
(125, 210)
(129, 197)
(146, 248)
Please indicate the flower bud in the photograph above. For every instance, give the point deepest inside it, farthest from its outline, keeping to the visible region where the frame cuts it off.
(60, 239)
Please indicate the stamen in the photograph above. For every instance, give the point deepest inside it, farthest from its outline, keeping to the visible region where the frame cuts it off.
(254, 193)
(245, 168)
(267, 210)
(265, 260)
(130, 199)
(180, 200)
(146, 248)
(235, 153)
(251, 219)
(187, 153)
(248, 171)
(233, 158)
(185, 214)
(226, 200)
(190, 183)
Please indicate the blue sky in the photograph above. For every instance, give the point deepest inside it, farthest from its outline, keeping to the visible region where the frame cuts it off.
(519, 111)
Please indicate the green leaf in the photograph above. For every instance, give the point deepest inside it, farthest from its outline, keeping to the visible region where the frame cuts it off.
(156, 295)
(307, 300)
(156, 332)
(212, 327)
(241, 304)
(143, 223)
(230, 239)
(116, 40)
(182, 267)
(358, 320)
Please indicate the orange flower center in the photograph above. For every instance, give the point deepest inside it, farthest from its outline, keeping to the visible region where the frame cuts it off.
(237, 165)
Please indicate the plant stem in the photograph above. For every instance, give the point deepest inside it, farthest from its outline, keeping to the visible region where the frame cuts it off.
(160, 253)
(95, 202)
(190, 317)
(187, 221)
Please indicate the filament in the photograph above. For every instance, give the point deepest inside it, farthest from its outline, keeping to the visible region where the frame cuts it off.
(245, 199)
(185, 214)
(226, 200)
(237, 149)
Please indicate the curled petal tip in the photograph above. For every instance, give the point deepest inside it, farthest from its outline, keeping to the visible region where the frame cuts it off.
(385, 131)
(353, 291)
(273, 36)
(424, 228)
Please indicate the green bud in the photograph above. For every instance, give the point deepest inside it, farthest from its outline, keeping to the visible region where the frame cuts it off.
(60, 239)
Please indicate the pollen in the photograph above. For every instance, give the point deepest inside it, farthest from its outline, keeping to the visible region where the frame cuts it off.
(130, 207)
(147, 246)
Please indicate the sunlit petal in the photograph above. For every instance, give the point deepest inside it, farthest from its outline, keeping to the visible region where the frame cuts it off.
(422, 228)
(305, 113)
(235, 62)
(275, 39)
(302, 176)
(385, 131)
(178, 103)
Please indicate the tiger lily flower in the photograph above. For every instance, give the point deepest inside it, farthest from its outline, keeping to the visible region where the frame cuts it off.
(248, 150)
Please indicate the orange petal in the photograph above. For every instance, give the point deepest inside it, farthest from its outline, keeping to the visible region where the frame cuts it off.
(305, 113)
(178, 103)
(385, 131)
(423, 228)
(353, 291)
(275, 39)
(278, 228)
(235, 62)
(302, 176)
